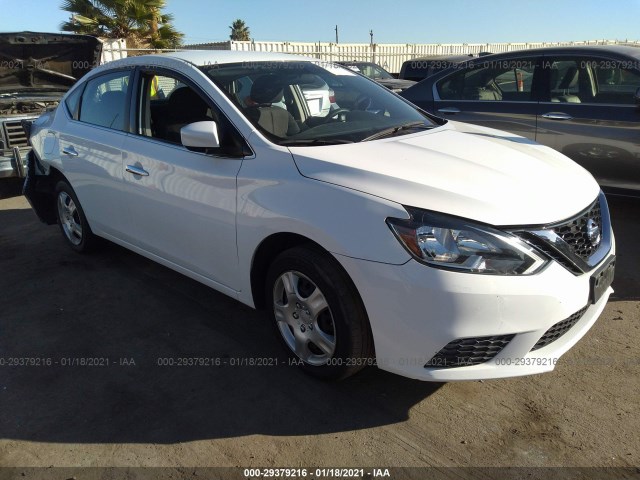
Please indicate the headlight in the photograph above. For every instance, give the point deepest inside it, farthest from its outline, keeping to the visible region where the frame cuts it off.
(458, 244)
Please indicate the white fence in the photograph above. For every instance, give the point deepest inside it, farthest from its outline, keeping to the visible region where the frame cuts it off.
(113, 49)
(389, 56)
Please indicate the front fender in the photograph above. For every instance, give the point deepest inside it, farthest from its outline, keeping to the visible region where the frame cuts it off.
(274, 198)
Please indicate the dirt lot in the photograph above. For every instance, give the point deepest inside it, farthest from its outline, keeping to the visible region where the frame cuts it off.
(116, 305)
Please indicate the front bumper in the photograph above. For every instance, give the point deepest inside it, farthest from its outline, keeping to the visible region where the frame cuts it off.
(415, 311)
(13, 162)
(14, 145)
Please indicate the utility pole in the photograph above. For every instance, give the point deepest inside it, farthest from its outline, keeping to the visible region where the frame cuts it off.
(373, 51)
(336, 33)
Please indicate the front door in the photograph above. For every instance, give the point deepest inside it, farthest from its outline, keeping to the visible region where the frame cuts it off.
(497, 94)
(182, 203)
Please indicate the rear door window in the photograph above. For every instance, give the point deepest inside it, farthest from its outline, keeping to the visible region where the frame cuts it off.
(616, 83)
(592, 80)
(105, 101)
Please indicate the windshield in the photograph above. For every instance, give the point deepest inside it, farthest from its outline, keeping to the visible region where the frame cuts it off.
(371, 70)
(315, 103)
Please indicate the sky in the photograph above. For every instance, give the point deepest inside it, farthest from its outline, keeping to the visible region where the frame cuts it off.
(392, 21)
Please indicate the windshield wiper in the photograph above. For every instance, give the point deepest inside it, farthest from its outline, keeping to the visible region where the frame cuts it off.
(315, 141)
(388, 132)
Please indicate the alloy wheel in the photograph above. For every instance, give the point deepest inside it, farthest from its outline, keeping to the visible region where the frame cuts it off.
(304, 318)
(69, 218)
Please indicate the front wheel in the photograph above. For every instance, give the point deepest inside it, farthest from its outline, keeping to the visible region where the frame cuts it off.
(318, 313)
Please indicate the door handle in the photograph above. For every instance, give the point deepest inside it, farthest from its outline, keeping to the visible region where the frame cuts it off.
(449, 110)
(557, 116)
(70, 151)
(137, 170)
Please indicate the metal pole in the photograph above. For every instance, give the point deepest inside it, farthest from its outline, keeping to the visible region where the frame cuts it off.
(371, 46)
(336, 33)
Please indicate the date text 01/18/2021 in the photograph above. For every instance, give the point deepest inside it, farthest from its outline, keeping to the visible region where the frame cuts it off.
(251, 473)
(41, 361)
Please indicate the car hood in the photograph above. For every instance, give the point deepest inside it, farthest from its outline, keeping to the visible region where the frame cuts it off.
(31, 61)
(460, 169)
(396, 84)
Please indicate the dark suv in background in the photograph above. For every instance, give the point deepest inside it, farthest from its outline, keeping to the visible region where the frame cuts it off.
(418, 69)
(581, 101)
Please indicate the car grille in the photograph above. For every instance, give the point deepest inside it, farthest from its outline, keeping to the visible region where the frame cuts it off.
(568, 242)
(469, 351)
(574, 231)
(14, 134)
(559, 329)
(544, 247)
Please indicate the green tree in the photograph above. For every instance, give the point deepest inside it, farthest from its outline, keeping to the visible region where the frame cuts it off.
(239, 31)
(140, 22)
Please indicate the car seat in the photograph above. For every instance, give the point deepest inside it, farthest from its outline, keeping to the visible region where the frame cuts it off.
(185, 106)
(265, 91)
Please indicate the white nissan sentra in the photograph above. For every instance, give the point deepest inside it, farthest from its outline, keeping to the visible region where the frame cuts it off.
(373, 234)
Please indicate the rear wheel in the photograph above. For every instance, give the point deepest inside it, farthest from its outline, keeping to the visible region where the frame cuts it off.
(318, 313)
(71, 219)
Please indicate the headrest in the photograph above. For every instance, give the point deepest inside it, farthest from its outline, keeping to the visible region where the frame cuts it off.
(267, 89)
(185, 103)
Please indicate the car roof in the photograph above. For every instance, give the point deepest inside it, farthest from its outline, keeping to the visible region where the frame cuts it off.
(210, 57)
(357, 62)
(201, 58)
(623, 50)
(450, 58)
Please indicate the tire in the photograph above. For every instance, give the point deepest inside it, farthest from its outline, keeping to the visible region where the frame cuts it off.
(318, 314)
(71, 219)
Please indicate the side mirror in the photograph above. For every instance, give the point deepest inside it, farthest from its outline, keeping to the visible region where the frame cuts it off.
(200, 135)
(636, 97)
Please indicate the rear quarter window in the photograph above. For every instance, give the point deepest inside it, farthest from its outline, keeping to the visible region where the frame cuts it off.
(72, 102)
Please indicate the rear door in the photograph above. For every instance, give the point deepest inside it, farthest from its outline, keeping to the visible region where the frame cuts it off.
(589, 113)
(499, 94)
(91, 148)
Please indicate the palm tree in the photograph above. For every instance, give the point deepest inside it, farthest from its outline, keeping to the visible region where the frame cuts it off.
(141, 22)
(239, 31)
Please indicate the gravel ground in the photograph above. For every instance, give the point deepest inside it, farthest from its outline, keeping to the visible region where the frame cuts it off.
(119, 307)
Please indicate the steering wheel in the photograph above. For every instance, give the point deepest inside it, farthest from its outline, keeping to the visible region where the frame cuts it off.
(335, 113)
(363, 102)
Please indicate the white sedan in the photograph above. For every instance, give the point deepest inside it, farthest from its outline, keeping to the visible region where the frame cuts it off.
(376, 235)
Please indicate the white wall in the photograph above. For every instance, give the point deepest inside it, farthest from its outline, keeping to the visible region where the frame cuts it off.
(389, 56)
